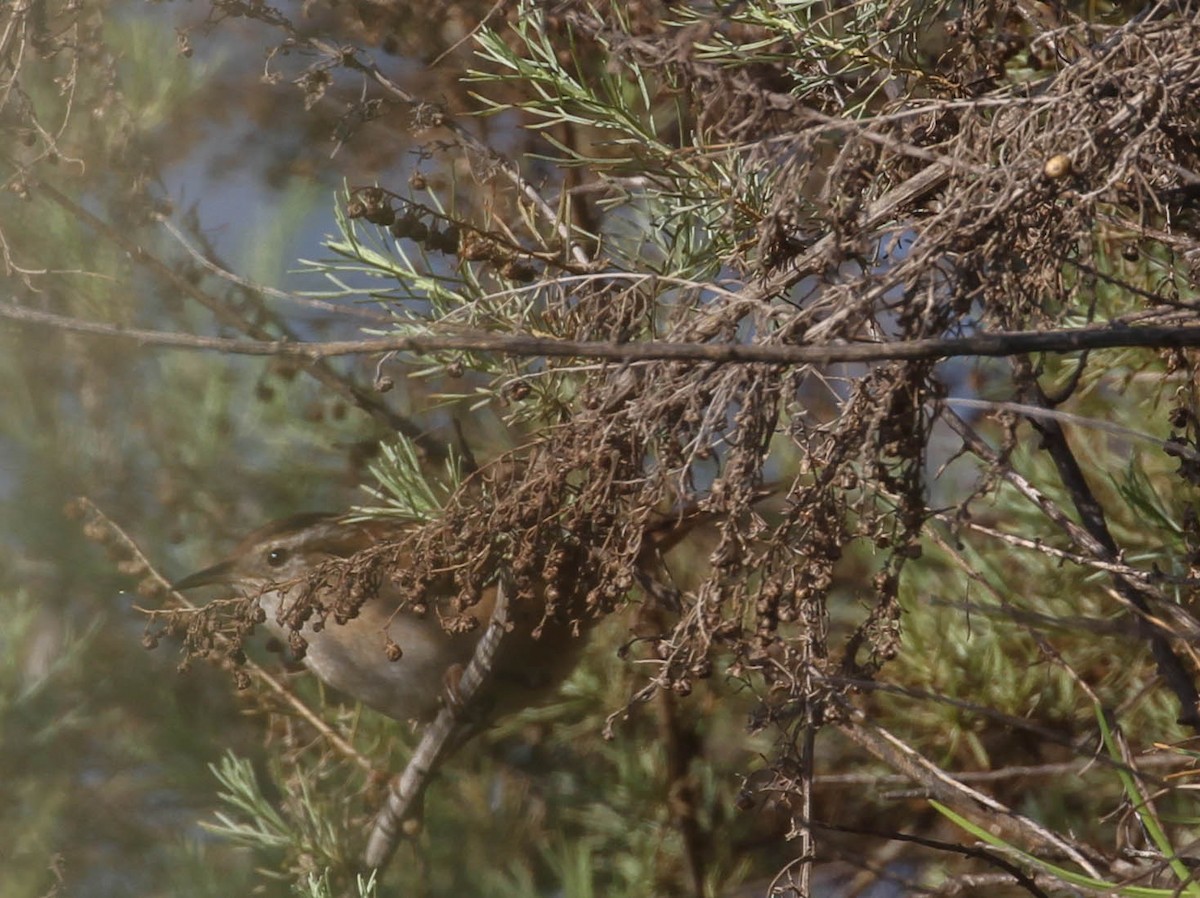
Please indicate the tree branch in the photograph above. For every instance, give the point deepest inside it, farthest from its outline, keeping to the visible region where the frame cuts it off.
(945, 788)
(439, 738)
(1170, 667)
(998, 343)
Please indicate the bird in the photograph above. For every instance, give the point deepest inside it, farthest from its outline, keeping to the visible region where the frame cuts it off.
(272, 565)
(357, 653)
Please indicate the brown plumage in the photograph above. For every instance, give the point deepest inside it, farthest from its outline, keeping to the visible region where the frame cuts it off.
(272, 565)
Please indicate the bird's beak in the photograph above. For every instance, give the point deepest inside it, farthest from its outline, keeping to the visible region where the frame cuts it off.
(222, 572)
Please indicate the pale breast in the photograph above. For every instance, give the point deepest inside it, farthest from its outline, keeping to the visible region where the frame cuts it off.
(351, 657)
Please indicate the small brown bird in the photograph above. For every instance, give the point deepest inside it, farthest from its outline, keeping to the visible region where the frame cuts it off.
(272, 564)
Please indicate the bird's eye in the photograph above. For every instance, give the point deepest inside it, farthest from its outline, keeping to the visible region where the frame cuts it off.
(276, 557)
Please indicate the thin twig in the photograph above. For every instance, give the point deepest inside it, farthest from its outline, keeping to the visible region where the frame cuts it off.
(1013, 871)
(900, 756)
(437, 740)
(202, 259)
(1015, 771)
(1094, 537)
(1041, 413)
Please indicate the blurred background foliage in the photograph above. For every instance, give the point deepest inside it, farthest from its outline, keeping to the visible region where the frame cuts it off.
(109, 756)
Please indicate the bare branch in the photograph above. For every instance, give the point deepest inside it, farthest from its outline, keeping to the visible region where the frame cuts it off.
(1001, 343)
(438, 739)
(901, 756)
